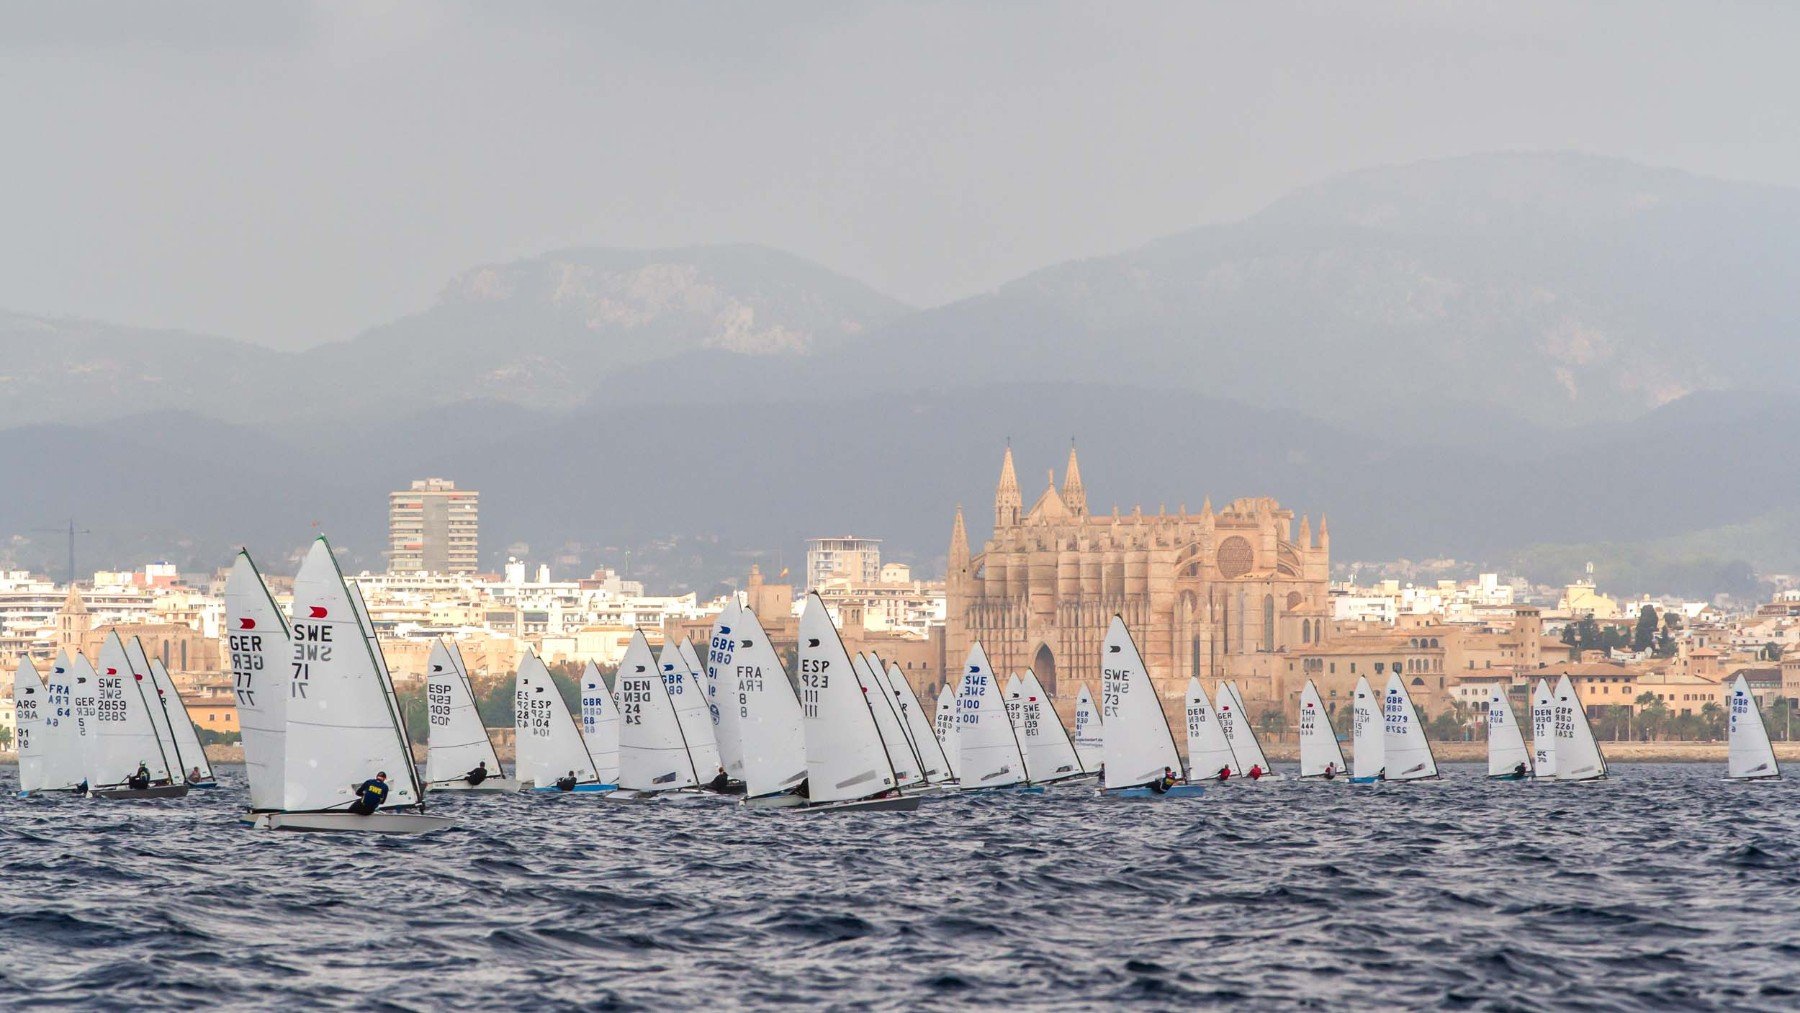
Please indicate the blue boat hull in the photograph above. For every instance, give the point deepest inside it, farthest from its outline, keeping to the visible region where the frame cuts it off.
(1178, 791)
(1364, 780)
(580, 788)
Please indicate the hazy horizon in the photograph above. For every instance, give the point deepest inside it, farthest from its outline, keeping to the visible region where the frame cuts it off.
(291, 175)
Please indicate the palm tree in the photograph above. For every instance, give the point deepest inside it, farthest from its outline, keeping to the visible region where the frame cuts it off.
(1712, 720)
(1653, 715)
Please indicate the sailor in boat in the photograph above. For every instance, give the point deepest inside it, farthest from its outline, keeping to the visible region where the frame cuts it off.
(194, 775)
(1256, 772)
(1381, 775)
(478, 775)
(82, 788)
(140, 780)
(567, 782)
(370, 794)
(1331, 771)
(720, 782)
(1224, 774)
(1162, 784)
(1519, 770)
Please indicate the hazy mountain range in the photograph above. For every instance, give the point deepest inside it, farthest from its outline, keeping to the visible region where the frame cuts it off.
(1513, 359)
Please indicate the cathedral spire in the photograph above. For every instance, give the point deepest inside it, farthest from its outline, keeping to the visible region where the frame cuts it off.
(1324, 533)
(1007, 501)
(1305, 532)
(959, 543)
(1074, 494)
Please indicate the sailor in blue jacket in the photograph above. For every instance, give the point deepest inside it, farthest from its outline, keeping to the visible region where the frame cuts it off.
(370, 794)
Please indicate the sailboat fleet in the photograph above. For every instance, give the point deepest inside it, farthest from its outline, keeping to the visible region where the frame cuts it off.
(326, 746)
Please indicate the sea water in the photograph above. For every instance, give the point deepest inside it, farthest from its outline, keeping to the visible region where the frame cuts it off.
(1665, 886)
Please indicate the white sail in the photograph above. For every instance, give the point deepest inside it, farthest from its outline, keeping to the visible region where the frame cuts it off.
(30, 704)
(1139, 744)
(687, 691)
(1209, 748)
(84, 695)
(157, 700)
(187, 739)
(386, 679)
(600, 724)
(991, 757)
(912, 715)
(342, 723)
(944, 724)
(125, 732)
(722, 691)
(548, 744)
(887, 720)
(1407, 751)
(1319, 747)
(1506, 741)
(1090, 734)
(1234, 717)
(1750, 757)
(456, 739)
(262, 660)
(1366, 737)
(1577, 754)
(653, 754)
(61, 745)
(765, 708)
(1543, 730)
(845, 758)
(1049, 752)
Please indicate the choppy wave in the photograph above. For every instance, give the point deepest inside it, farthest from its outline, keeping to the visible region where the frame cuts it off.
(1664, 887)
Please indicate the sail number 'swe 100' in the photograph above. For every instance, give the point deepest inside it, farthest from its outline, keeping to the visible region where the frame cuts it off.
(814, 680)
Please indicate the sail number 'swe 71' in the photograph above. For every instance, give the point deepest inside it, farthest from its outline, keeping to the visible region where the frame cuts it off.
(312, 642)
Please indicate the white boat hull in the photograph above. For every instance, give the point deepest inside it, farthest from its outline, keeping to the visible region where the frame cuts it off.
(782, 801)
(901, 804)
(491, 784)
(351, 823)
(674, 796)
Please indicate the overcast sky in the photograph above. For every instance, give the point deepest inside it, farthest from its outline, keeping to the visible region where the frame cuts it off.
(291, 174)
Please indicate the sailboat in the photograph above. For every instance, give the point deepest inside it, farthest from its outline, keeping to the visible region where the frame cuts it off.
(1090, 734)
(1578, 756)
(262, 658)
(1209, 749)
(687, 691)
(144, 673)
(1405, 747)
(1049, 752)
(197, 769)
(1750, 757)
(1139, 744)
(944, 724)
(28, 725)
(1234, 717)
(549, 746)
(125, 732)
(987, 738)
(901, 755)
(343, 723)
(767, 714)
(456, 739)
(847, 766)
(600, 727)
(1366, 738)
(934, 765)
(1543, 731)
(654, 760)
(1321, 756)
(722, 693)
(1508, 759)
(48, 737)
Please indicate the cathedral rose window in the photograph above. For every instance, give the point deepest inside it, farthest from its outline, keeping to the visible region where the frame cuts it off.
(1235, 557)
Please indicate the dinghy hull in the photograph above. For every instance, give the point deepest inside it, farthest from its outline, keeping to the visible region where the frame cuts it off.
(202, 785)
(1507, 777)
(351, 823)
(1178, 791)
(160, 791)
(781, 801)
(578, 789)
(491, 784)
(902, 804)
(674, 796)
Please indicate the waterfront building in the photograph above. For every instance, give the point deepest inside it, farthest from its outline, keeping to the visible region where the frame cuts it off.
(857, 560)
